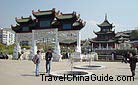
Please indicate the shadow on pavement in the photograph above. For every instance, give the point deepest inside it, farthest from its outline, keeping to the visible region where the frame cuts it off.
(122, 75)
(123, 68)
(136, 78)
(40, 72)
(28, 75)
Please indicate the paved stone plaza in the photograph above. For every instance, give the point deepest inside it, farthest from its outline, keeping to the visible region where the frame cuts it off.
(14, 72)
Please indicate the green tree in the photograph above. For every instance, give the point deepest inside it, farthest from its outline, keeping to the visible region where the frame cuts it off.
(134, 35)
(7, 49)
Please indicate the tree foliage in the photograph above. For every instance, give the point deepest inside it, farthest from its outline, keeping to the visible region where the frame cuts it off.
(134, 35)
(7, 49)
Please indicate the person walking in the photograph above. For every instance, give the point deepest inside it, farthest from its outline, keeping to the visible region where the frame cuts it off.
(113, 56)
(127, 56)
(36, 60)
(19, 56)
(48, 58)
(132, 61)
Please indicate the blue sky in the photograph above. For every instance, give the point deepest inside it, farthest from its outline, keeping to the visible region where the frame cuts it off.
(122, 13)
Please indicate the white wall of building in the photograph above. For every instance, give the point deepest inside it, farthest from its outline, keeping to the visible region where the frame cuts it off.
(7, 36)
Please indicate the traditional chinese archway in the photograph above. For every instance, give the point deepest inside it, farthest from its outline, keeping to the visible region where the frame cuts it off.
(50, 24)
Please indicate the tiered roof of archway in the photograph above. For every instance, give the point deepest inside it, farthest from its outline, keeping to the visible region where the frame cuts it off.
(54, 19)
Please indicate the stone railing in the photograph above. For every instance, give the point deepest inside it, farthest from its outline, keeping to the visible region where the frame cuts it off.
(77, 56)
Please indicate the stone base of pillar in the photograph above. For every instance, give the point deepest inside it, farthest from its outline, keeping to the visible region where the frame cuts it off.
(17, 50)
(78, 52)
(33, 52)
(57, 55)
(57, 51)
(78, 49)
(15, 55)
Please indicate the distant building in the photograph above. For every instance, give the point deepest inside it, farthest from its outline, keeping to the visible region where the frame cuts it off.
(7, 36)
(105, 39)
(123, 40)
(134, 43)
(122, 37)
(134, 39)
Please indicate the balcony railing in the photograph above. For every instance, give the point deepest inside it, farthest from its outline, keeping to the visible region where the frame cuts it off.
(104, 48)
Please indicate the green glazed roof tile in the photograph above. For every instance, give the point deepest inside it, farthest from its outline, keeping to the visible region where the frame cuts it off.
(22, 20)
(42, 13)
(65, 16)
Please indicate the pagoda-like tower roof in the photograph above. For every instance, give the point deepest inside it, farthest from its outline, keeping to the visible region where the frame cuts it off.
(23, 20)
(105, 23)
(108, 32)
(103, 41)
(43, 13)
